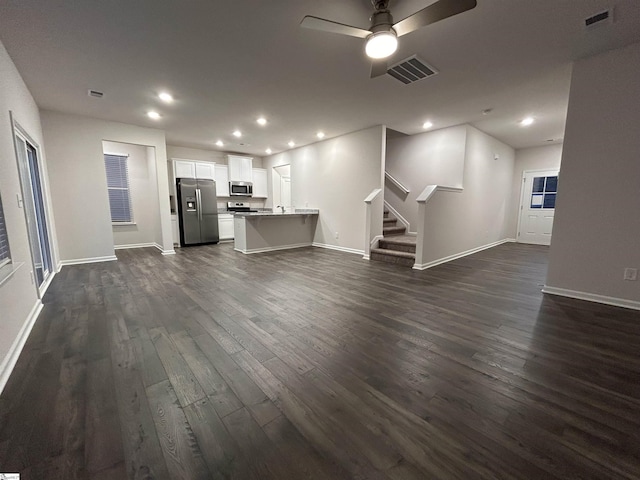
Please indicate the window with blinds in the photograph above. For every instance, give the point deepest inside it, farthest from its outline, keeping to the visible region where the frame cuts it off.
(5, 254)
(118, 187)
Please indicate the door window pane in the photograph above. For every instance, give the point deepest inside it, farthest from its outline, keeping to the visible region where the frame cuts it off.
(549, 200)
(536, 201)
(551, 184)
(538, 185)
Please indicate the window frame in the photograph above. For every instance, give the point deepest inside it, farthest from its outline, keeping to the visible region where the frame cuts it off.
(127, 179)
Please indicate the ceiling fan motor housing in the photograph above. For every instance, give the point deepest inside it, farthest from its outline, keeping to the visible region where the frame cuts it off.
(381, 21)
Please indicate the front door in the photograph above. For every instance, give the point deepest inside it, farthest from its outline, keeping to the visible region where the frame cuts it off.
(537, 206)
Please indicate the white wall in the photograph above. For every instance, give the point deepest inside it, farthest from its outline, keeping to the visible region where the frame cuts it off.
(597, 225)
(430, 158)
(546, 157)
(458, 222)
(79, 185)
(335, 176)
(18, 295)
(143, 188)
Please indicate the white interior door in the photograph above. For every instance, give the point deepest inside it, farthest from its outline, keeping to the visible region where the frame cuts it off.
(285, 191)
(537, 206)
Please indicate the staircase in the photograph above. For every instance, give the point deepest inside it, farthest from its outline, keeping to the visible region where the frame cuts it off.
(395, 247)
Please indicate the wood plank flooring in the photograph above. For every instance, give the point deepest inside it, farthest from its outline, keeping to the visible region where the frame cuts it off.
(315, 364)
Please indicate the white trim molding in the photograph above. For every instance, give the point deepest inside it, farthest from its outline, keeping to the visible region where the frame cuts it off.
(592, 297)
(9, 361)
(80, 261)
(455, 256)
(135, 245)
(374, 244)
(273, 249)
(338, 248)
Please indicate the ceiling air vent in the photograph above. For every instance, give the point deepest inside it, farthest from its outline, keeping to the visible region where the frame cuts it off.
(411, 70)
(95, 93)
(603, 18)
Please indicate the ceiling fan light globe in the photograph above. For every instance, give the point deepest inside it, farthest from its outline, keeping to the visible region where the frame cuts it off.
(381, 44)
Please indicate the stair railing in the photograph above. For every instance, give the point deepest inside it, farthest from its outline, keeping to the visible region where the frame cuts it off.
(373, 228)
(422, 200)
(397, 183)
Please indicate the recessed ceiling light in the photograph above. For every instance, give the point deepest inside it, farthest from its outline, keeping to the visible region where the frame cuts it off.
(527, 121)
(426, 125)
(320, 135)
(268, 151)
(262, 121)
(291, 143)
(237, 133)
(154, 115)
(165, 97)
(219, 143)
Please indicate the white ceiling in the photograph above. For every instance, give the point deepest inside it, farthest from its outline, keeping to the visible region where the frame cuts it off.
(227, 62)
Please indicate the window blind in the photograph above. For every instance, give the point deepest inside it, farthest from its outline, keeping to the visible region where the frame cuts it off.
(5, 254)
(118, 187)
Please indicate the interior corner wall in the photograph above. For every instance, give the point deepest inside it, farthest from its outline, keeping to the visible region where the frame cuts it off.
(597, 226)
(477, 217)
(546, 157)
(335, 176)
(79, 185)
(18, 295)
(143, 187)
(430, 158)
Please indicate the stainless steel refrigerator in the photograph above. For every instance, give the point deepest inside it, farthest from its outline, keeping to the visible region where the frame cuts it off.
(197, 211)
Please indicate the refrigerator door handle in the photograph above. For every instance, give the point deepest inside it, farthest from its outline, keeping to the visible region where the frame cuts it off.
(199, 203)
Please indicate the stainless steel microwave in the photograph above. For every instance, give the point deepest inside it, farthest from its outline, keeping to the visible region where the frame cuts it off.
(241, 189)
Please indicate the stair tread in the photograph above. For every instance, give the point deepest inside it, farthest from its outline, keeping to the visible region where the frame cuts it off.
(391, 230)
(393, 253)
(399, 240)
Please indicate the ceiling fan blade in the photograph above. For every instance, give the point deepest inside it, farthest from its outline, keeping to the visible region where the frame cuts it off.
(433, 13)
(378, 67)
(316, 23)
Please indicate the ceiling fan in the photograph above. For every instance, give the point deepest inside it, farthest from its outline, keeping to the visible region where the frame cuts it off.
(382, 36)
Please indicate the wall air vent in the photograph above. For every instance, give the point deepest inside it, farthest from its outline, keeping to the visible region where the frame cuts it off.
(411, 70)
(602, 18)
(95, 93)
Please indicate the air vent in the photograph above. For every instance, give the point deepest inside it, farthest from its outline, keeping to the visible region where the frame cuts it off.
(95, 93)
(603, 18)
(411, 70)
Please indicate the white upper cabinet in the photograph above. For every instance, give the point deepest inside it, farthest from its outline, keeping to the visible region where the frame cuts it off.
(205, 171)
(260, 183)
(240, 168)
(193, 169)
(222, 181)
(184, 169)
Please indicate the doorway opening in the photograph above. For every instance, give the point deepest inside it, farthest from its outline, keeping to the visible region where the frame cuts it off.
(537, 206)
(35, 207)
(282, 186)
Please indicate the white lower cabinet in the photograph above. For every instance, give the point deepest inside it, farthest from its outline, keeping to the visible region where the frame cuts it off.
(225, 226)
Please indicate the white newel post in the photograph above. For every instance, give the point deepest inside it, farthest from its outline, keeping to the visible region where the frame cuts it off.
(373, 228)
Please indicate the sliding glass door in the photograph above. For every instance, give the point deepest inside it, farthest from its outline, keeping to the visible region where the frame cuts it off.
(35, 208)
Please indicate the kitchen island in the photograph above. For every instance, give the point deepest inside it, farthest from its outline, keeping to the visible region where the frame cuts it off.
(265, 231)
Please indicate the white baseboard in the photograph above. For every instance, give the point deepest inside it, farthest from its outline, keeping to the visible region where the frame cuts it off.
(168, 252)
(9, 361)
(272, 249)
(450, 258)
(592, 297)
(340, 249)
(79, 261)
(135, 245)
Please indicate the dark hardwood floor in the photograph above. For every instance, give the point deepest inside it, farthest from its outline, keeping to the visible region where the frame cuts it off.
(315, 364)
